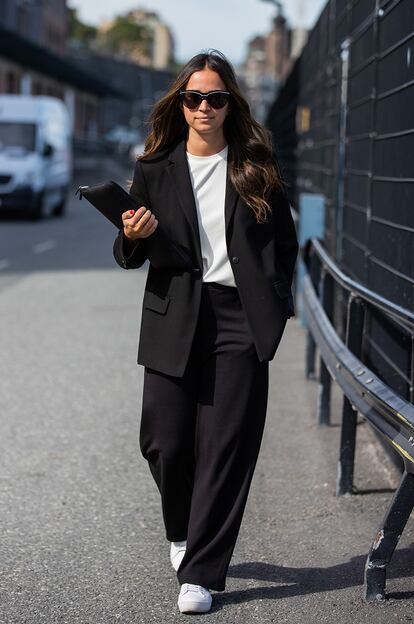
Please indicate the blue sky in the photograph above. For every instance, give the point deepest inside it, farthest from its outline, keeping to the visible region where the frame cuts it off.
(223, 24)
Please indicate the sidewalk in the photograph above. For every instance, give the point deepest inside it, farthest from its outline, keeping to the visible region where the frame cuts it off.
(82, 537)
(302, 550)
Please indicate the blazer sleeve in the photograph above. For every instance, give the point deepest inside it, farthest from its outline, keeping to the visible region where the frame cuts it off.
(130, 255)
(286, 240)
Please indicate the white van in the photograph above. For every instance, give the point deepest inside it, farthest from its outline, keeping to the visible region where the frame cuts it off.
(36, 158)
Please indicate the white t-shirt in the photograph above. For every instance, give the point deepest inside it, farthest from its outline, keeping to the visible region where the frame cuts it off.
(208, 177)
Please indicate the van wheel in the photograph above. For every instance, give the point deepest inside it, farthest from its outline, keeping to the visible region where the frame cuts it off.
(59, 209)
(38, 211)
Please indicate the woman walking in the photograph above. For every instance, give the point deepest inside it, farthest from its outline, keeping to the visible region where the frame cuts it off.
(215, 224)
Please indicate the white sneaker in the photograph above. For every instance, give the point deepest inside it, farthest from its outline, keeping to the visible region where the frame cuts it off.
(177, 552)
(194, 599)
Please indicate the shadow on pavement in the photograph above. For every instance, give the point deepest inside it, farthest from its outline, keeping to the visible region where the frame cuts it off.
(301, 581)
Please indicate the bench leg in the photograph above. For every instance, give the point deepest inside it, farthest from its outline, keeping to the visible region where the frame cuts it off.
(310, 357)
(345, 478)
(387, 538)
(324, 395)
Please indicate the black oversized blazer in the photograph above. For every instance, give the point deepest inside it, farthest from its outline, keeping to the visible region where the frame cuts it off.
(262, 257)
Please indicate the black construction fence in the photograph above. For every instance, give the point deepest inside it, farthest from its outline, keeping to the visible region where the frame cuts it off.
(343, 125)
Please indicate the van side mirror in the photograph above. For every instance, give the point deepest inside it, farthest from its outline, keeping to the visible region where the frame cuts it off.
(48, 149)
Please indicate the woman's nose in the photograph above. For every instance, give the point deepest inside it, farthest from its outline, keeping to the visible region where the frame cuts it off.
(204, 106)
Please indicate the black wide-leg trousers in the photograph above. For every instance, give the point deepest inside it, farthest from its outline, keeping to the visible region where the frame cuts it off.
(201, 435)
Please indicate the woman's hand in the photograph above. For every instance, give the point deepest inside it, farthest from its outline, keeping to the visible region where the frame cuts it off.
(139, 224)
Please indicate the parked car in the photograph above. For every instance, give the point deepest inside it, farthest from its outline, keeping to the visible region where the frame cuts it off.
(36, 156)
(121, 138)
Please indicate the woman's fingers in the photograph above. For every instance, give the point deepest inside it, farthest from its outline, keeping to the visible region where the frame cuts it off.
(131, 217)
(140, 224)
(149, 227)
(143, 226)
(148, 221)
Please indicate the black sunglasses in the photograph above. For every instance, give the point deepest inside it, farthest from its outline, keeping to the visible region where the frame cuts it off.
(216, 99)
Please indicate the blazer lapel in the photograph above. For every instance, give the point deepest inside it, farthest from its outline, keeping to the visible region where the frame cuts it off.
(179, 173)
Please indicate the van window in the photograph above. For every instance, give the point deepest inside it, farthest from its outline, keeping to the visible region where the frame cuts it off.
(17, 134)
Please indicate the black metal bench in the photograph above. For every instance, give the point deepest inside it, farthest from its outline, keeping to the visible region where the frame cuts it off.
(391, 415)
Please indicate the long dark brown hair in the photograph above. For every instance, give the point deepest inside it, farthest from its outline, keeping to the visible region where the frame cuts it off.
(254, 170)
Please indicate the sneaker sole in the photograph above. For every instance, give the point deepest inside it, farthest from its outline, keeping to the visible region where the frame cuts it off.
(194, 607)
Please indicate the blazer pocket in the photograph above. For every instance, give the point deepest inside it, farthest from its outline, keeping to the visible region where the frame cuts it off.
(282, 289)
(285, 292)
(157, 302)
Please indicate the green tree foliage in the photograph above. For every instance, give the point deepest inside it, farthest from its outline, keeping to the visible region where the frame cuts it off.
(125, 34)
(78, 30)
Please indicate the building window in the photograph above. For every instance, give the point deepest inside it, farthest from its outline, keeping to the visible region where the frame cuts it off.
(12, 83)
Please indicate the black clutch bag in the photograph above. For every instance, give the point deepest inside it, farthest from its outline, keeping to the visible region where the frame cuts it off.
(112, 200)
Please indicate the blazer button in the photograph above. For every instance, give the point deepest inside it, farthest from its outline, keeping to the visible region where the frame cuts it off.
(196, 270)
(235, 259)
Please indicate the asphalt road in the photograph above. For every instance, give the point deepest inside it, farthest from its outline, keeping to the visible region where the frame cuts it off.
(76, 241)
(81, 537)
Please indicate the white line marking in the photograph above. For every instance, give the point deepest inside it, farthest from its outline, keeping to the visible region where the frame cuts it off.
(45, 246)
(4, 263)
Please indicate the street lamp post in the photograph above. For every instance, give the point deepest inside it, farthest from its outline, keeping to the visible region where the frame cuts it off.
(277, 4)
